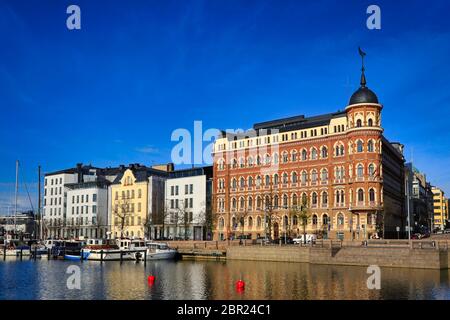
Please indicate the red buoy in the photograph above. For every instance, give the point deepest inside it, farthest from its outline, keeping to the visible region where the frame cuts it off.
(151, 279)
(240, 285)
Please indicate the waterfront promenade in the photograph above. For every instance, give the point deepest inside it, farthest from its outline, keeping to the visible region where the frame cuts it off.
(423, 254)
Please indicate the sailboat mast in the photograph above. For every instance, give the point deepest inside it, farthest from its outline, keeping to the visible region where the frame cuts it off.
(39, 203)
(16, 191)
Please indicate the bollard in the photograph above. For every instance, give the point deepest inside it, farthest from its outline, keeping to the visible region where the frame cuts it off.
(101, 256)
(48, 253)
(121, 256)
(21, 253)
(4, 252)
(81, 255)
(145, 258)
(35, 253)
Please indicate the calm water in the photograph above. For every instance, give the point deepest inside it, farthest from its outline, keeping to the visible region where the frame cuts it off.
(214, 280)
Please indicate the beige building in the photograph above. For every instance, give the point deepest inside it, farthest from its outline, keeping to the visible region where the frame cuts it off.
(137, 199)
(440, 208)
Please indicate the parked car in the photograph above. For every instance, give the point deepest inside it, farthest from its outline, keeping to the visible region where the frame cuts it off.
(309, 238)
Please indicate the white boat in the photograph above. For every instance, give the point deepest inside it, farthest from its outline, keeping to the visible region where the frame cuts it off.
(159, 251)
(100, 249)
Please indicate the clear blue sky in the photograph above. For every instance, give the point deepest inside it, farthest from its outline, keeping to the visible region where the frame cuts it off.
(114, 91)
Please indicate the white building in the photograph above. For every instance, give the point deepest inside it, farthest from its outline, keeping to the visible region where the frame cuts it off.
(188, 204)
(87, 209)
(59, 189)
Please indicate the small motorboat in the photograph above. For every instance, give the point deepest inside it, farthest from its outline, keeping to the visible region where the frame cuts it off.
(160, 251)
(106, 250)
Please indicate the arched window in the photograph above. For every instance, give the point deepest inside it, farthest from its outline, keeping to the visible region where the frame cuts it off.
(325, 198)
(304, 155)
(314, 176)
(359, 146)
(267, 202)
(358, 123)
(234, 203)
(341, 150)
(360, 171)
(275, 158)
(250, 161)
(324, 152)
(275, 179)
(250, 222)
(314, 199)
(242, 203)
(267, 159)
(250, 202)
(294, 200)
(304, 177)
(325, 219)
(258, 160)
(294, 156)
(285, 157)
(294, 220)
(258, 181)
(360, 195)
(241, 162)
(371, 170)
(286, 221)
(234, 183)
(221, 223)
(258, 222)
(285, 201)
(275, 201)
(233, 223)
(314, 154)
(258, 202)
(370, 123)
(294, 177)
(242, 182)
(250, 181)
(324, 175)
(267, 182)
(304, 199)
(372, 195)
(314, 219)
(340, 219)
(370, 146)
(285, 177)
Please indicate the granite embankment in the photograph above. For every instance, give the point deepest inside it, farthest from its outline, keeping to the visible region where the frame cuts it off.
(393, 253)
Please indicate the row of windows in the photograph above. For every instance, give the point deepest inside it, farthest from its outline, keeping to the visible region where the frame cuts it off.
(53, 222)
(175, 218)
(313, 154)
(53, 191)
(83, 198)
(128, 221)
(188, 189)
(127, 207)
(83, 210)
(313, 176)
(53, 181)
(129, 194)
(188, 203)
(53, 201)
(285, 202)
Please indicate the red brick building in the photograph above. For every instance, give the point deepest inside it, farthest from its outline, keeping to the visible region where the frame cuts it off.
(334, 173)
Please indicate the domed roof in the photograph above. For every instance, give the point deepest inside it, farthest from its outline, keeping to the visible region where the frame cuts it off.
(363, 95)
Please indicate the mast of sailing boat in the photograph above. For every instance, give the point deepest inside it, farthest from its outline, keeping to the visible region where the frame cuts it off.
(16, 191)
(39, 203)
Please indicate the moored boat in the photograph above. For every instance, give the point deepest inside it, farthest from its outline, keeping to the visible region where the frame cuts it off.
(106, 250)
(160, 251)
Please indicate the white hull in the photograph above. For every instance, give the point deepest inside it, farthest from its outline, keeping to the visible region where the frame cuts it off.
(161, 255)
(16, 253)
(108, 255)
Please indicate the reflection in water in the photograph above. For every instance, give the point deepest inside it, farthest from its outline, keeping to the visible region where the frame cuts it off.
(215, 280)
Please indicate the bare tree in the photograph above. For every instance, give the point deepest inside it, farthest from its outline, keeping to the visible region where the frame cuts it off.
(121, 213)
(183, 217)
(240, 216)
(304, 216)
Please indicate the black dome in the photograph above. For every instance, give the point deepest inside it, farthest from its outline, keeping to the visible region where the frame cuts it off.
(363, 95)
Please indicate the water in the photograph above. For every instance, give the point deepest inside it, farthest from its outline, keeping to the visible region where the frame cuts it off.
(44, 279)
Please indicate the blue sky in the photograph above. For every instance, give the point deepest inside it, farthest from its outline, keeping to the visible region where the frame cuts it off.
(114, 91)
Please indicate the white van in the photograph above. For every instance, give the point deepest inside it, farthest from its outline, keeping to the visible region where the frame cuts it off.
(309, 238)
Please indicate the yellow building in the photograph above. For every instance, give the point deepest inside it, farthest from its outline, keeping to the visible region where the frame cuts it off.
(135, 194)
(440, 208)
